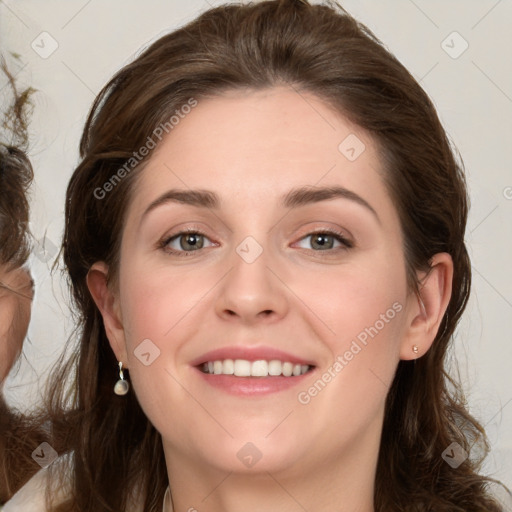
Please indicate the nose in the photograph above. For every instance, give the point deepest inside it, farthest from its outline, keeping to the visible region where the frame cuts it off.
(252, 292)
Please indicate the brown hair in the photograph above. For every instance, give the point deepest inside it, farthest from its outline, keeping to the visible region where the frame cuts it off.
(17, 436)
(16, 175)
(323, 50)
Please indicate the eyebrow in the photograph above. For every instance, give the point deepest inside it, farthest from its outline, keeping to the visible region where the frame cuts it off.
(295, 198)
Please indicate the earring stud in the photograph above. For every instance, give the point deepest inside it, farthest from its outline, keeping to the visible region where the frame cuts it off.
(415, 349)
(122, 386)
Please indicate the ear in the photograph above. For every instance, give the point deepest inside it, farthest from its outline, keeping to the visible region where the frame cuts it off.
(427, 308)
(107, 302)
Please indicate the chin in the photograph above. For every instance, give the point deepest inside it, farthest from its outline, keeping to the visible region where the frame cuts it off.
(252, 454)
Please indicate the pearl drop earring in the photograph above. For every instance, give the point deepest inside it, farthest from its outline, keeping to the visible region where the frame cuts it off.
(122, 386)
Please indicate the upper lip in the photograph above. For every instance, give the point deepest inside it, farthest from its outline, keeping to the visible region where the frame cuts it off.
(250, 353)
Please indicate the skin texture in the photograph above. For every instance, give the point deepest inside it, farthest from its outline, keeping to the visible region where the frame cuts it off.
(15, 304)
(295, 296)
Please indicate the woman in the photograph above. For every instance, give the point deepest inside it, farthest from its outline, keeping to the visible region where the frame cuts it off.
(265, 242)
(16, 285)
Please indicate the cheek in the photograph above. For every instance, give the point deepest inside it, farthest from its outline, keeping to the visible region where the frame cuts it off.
(162, 309)
(13, 327)
(368, 309)
(155, 302)
(362, 300)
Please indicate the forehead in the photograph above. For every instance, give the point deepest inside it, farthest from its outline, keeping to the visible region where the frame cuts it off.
(268, 125)
(254, 145)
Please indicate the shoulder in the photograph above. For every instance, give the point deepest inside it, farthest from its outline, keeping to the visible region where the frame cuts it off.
(32, 496)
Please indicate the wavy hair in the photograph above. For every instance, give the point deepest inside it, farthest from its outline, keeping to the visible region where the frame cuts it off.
(16, 175)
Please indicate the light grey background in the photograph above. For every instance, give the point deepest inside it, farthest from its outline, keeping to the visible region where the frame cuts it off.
(473, 94)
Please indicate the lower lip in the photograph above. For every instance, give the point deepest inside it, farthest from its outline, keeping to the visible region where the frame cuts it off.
(252, 386)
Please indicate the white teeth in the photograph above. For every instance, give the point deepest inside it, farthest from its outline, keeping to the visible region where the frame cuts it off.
(275, 367)
(260, 368)
(287, 369)
(242, 368)
(217, 367)
(228, 367)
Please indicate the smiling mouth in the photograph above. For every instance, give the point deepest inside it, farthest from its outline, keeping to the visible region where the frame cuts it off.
(259, 368)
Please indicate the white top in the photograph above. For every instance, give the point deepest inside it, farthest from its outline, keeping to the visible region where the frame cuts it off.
(31, 497)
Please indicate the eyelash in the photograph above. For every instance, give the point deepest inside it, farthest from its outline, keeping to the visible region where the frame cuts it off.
(163, 244)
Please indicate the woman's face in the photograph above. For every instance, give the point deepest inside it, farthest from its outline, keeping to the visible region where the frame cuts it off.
(251, 281)
(16, 290)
